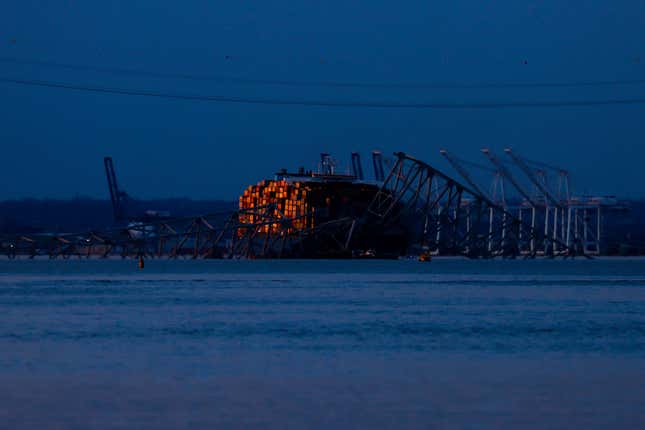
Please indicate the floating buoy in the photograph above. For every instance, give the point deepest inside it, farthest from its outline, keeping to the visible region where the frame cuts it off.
(141, 263)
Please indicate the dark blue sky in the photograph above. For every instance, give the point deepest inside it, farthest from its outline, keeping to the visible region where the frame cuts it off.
(53, 140)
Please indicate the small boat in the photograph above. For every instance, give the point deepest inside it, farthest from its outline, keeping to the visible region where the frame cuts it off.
(425, 257)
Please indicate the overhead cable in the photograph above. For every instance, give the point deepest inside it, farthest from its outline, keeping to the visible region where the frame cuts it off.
(336, 84)
(328, 103)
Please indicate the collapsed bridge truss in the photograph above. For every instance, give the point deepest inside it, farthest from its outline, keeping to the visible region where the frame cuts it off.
(446, 217)
(204, 236)
(437, 215)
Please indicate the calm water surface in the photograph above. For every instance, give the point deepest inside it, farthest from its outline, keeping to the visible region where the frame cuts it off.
(322, 344)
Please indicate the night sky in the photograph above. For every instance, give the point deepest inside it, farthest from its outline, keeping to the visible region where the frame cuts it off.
(53, 140)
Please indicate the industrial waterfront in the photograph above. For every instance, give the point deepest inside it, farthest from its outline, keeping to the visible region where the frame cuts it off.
(408, 208)
(322, 215)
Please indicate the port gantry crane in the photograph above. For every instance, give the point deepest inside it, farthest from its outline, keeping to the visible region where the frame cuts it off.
(436, 213)
(377, 161)
(499, 200)
(563, 191)
(552, 204)
(117, 196)
(580, 217)
(463, 172)
(438, 207)
(357, 167)
(528, 200)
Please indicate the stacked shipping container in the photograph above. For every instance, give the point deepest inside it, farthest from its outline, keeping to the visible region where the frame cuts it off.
(290, 201)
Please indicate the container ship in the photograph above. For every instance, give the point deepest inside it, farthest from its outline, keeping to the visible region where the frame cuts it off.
(316, 215)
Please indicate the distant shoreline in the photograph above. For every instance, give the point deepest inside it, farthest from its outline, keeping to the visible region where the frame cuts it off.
(355, 260)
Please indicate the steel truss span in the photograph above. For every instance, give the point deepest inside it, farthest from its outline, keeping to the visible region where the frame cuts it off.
(445, 217)
(414, 210)
(206, 236)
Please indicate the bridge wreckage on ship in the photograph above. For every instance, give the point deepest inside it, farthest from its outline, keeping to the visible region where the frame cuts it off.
(413, 209)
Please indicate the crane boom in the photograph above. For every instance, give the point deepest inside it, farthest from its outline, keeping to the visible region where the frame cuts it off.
(545, 165)
(563, 174)
(527, 170)
(357, 167)
(463, 172)
(504, 171)
(377, 160)
(117, 197)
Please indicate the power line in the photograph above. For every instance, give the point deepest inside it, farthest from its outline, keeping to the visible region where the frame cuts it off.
(326, 103)
(334, 84)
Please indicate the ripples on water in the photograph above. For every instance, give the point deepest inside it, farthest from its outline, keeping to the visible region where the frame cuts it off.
(179, 318)
(450, 305)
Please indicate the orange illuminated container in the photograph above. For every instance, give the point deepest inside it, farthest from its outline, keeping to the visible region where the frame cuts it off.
(303, 202)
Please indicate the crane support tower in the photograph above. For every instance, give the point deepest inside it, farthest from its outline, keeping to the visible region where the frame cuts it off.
(414, 209)
(377, 161)
(357, 167)
(117, 197)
